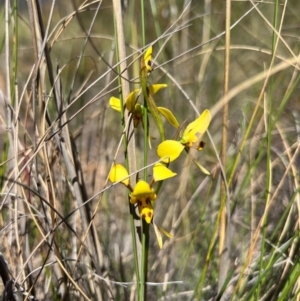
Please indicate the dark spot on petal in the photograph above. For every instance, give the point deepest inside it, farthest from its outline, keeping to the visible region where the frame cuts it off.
(201, 145)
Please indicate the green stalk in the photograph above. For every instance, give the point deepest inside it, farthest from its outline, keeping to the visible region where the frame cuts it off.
(145, 226)
(143, 23)
(2, 17)
(126, 149)
(144, 265)
(155, 19)
(290, 283)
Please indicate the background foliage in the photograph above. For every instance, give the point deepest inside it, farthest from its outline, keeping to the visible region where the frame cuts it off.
(67, 237)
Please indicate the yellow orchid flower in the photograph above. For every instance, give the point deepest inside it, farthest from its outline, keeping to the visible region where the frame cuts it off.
(142, 195)
(136, 109)
(131, 100)
(115, 103)
(194, 131)
(170, 150)
(148, 59)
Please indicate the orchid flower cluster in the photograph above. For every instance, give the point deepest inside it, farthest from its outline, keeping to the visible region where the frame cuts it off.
(143, 194)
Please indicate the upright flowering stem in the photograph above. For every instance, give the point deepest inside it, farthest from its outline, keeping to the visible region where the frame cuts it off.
(145, 225)
(143, 22)
(130, 146)
(144, 265)
(142, 194)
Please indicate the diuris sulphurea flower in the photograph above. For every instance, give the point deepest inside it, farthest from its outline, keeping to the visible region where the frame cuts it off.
(143, 194)
(135, 108)
(148, 59)
(170, 150)
(145, 69)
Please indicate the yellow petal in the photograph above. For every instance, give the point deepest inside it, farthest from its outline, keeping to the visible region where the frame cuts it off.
(164, 232)
(169, 150)
(119, 173)
(204, 170)
(148, 59)
(155, 88)
(145, 209)
(158, 235)
(161, 172)
(131, 100)
(115, 103)
(149, 141)
(158, 230)
(142, 188)
(169, 116)
(196, 129)
(137, 115)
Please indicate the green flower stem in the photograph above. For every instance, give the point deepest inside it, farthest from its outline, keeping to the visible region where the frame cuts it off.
(143, 22)
(129, 146)
(144, 265)
(145, 226)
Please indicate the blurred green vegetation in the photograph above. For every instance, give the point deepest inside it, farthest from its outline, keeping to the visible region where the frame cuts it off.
(189, 56)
